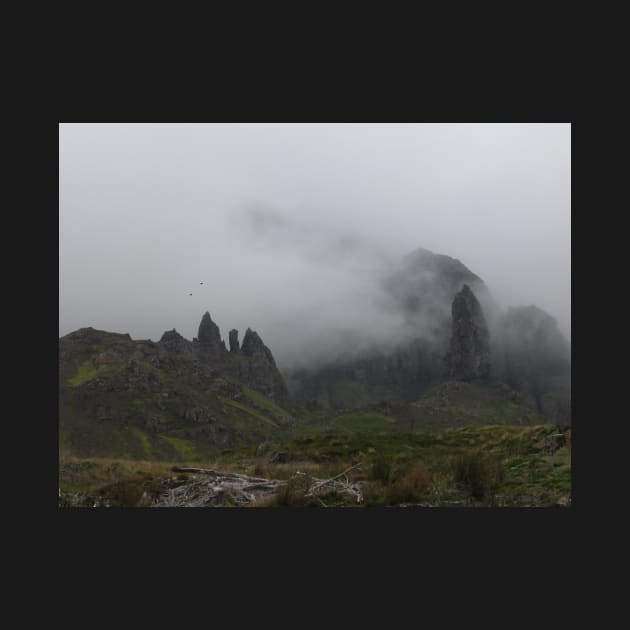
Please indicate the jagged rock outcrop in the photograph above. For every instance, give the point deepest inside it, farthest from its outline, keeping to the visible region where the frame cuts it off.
(208, 330)
(261, 372)
(419, 289)
(122, 395)
(234, 344)
(209, 339)
(253, 344)
(469, 353)
(424, 285)
(255, 365)
(174, 342)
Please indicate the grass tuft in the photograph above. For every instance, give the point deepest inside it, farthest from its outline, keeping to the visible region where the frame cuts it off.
(479, 473)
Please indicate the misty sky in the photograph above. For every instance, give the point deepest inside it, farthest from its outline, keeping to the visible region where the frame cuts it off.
(287, 225)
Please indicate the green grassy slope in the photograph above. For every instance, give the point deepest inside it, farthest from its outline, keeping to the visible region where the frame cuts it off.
(461, 404)
(450, 404)
(129, 400)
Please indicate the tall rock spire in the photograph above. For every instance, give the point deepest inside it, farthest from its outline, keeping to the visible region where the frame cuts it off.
(208, 330)
(261, 371)
(209, 337)
(469, 354)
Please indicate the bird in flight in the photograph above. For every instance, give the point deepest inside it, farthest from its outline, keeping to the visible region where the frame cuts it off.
(201, 283)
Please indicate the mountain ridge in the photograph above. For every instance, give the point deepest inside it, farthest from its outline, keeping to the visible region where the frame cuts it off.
(178, 397)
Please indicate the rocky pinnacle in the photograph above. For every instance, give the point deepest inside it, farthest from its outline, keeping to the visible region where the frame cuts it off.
(208, 331)
(209, 336)
(469, 353)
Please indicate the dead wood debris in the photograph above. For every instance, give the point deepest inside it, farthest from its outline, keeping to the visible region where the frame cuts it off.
(209, 488)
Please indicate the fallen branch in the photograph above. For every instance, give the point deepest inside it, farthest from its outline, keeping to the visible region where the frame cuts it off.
(216, 473)
(243, 489)
(327, 481)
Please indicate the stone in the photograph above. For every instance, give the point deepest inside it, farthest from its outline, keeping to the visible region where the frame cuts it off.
(252, 343)
(261, 372)
(172, 341)
(208, 331)
(469, 352)
(107, 358)
(209, 344)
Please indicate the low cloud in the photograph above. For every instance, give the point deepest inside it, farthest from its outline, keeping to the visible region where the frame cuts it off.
(295, 230)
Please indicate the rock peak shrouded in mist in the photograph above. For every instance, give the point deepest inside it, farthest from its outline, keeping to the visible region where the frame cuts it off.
(397, 343)
(253, 345)
(261, 368)
(423, 285)
(535, 357)
(251, 342)
(469, 353)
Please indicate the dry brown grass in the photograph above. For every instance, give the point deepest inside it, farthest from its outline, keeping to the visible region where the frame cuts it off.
(479, 473)
(293, 494)
(265, 501)
(261, 468)
(406, 485)
(122, 466)
(314, 469)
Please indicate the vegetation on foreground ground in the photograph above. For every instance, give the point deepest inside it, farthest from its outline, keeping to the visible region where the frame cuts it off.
(482, 466)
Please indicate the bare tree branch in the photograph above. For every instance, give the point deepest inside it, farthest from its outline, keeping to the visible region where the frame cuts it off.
(244, 489)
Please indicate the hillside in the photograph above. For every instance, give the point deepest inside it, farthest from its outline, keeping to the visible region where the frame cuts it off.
(476, 415)
(177, 399)
(131, 410)
(431, 293)
(127, 399)
(420, 290)
(448, 404)
(141, 399)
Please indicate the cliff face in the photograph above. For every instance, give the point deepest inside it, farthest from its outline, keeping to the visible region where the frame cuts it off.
(208, 344)
(444, 320)
(423, 287)
(420, 289)
(469, 353)
(253, 363)
(260, 370)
